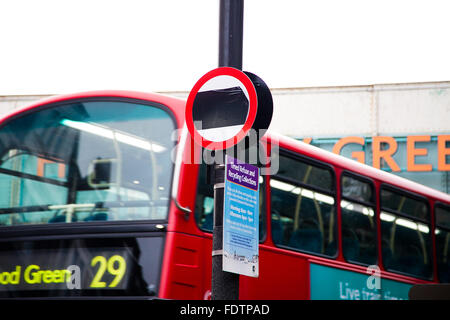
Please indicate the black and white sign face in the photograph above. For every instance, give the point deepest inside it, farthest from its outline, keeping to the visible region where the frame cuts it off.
(221, 108)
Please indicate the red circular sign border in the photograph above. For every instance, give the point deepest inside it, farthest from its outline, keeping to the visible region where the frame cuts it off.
(253, 107)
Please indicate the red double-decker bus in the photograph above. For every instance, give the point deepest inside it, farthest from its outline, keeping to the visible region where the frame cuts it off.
(103, 195)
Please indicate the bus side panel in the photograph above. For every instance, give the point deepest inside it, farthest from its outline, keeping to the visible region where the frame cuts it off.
(281, 277)
(206, 267)
(182, 276)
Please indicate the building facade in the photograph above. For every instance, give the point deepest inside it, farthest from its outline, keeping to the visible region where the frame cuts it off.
(399, 128)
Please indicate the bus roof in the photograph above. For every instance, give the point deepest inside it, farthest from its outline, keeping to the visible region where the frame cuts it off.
(356, 167)
(175, 103)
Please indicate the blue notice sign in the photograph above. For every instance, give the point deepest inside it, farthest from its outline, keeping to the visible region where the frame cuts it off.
(241, 218)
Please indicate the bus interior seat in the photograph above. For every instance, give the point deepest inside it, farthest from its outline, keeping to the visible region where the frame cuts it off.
(330, 249)
(58, 218)
(408, 256)
(386, 253)
(306, 239)
(288, 229)
(351, 249)
(444, 271)
(101, 216)
(208, 222)
(412, 260)
(277, 231)
(444, 260)
(350, 245)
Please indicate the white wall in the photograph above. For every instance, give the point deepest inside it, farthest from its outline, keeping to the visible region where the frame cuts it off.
(389, 109)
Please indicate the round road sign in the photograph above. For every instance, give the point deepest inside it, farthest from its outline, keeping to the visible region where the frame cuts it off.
(221, 108)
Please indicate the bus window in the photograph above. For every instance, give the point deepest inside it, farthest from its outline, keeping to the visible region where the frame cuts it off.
(303, 214)
(204, 204)
(86, 161)
(405, 232)
(302, 172)
(358, 221)
(398, 203)
(443, 242)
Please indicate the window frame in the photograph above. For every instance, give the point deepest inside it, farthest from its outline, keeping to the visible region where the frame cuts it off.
(333, 193)
(441, 205)
(414, 196)
(312, 162)
(364, 179)
(409, 194)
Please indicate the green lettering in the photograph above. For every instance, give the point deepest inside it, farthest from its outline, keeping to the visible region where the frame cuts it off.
(15, 276)
(58, 276)
(4, 277)
(67, 273)
(28, 273)
(47, 276)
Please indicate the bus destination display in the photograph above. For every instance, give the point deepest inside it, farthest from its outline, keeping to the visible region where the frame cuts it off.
(64, 269)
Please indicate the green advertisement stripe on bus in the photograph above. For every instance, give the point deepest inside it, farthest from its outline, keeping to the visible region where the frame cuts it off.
(336, 284)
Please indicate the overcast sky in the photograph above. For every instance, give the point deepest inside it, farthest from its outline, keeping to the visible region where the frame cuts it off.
(50, 47)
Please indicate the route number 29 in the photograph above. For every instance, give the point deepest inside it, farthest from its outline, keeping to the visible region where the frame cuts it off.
(116, 265)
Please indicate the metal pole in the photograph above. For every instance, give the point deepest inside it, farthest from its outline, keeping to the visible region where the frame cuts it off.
(225, 285)
(231, 33)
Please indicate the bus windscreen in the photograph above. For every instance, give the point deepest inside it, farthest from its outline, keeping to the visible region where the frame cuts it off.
(86, 161)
